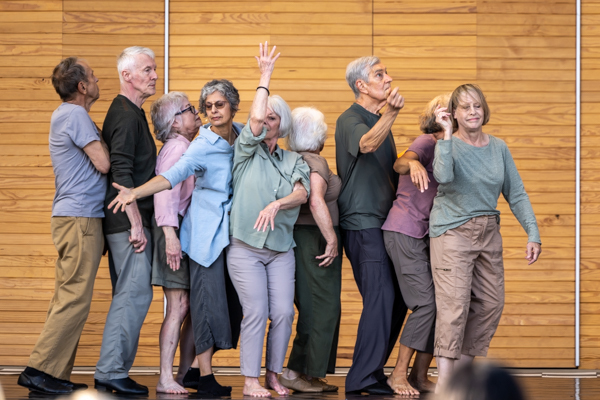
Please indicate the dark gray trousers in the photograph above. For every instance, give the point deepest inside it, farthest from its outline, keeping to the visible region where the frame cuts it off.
(383, 308)
(216, 313)
(413, 270)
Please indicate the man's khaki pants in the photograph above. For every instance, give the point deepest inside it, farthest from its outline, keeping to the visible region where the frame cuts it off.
(468, 274)
(79, 242)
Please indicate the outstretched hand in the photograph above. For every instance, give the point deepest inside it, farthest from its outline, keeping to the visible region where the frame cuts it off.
(125, 197)
(266, 60)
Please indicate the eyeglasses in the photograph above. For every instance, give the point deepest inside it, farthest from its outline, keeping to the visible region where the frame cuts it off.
(190, 109)
(219, 104)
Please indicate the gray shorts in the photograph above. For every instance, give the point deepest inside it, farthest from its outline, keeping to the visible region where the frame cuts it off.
(162, 274)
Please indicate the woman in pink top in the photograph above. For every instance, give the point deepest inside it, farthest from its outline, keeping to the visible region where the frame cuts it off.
(176, 123)
(406, 238)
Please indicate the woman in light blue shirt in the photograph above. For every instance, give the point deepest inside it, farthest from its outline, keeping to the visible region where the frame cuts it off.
(215, 310)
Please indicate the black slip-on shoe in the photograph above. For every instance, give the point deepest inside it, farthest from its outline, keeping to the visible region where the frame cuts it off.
(375, 388)
(121, 386)
(39, 381)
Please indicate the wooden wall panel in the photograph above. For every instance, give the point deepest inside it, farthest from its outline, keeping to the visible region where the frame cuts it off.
(512, 49)
(590, 189)
(527, 45)
(34, 37)
(520, 52)
(30, 47)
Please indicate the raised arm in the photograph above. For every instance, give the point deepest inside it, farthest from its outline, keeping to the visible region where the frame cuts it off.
(371, 140)
(443, 164)
(258, 111)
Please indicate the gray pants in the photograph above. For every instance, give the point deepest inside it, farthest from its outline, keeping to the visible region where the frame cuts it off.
(264, 281)
(413, 270)
(130, 304)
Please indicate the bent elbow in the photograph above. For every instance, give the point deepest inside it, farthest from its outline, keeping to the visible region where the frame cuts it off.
(104, 169)
(443, 179)
(367, 148)
(254, 120)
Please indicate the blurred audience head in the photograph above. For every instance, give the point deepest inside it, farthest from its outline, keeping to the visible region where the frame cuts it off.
(481, 381)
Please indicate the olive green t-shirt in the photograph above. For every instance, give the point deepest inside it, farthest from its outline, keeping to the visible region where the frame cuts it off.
(368, 180)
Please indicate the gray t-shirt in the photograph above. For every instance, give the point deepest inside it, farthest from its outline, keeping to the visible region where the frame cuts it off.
(471, 180)
(80, 187)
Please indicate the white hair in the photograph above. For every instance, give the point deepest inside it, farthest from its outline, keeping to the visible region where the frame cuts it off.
(163, 113)
(359, 69)
(126, 60)
(310, 130)
(280, 107)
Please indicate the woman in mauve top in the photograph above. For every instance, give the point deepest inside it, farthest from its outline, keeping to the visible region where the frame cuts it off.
(406, 238)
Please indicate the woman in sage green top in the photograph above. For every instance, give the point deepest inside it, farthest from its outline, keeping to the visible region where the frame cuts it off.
(472, 169)
(269, 185)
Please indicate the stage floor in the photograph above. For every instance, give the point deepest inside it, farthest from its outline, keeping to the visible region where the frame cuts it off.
(538, 385)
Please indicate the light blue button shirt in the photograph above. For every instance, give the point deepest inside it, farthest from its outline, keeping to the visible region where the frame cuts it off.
(205, 228)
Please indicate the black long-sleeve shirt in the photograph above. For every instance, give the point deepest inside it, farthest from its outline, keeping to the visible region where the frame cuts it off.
(132, 159)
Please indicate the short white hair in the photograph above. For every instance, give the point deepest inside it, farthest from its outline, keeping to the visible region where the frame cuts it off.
(359, 69)
(280, 107)
(126, 60)
(310, 130)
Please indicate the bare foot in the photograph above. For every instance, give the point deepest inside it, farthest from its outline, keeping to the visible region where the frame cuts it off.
(401, 386)
(171, 387)
(254, 389)
(271, 382)
(422, 385)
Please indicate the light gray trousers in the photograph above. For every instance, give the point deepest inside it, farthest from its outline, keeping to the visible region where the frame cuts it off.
(264, 280)
(130, 304)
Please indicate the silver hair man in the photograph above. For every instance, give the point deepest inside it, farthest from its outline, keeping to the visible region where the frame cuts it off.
(359, 69)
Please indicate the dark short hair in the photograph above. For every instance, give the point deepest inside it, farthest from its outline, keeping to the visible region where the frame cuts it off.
(467, 88)
(66, 77)
(224, 87)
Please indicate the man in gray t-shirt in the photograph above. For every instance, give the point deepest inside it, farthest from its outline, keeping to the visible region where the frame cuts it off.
(80, 160)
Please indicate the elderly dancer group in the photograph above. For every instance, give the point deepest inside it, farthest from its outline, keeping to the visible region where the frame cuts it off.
(237, 230)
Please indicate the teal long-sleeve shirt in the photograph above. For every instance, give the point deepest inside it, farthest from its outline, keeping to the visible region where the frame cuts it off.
(471, 180)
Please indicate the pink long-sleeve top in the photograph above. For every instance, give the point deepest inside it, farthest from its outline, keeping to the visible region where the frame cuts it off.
(168, 204)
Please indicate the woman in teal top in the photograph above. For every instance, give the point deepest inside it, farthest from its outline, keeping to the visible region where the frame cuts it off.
(269, 185)
(472, 169)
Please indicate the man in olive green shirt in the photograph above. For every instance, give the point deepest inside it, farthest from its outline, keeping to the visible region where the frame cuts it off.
(365, 155)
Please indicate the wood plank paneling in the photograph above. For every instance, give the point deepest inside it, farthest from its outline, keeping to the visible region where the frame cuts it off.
(590, 128)
(522, 54)
(34, 37)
